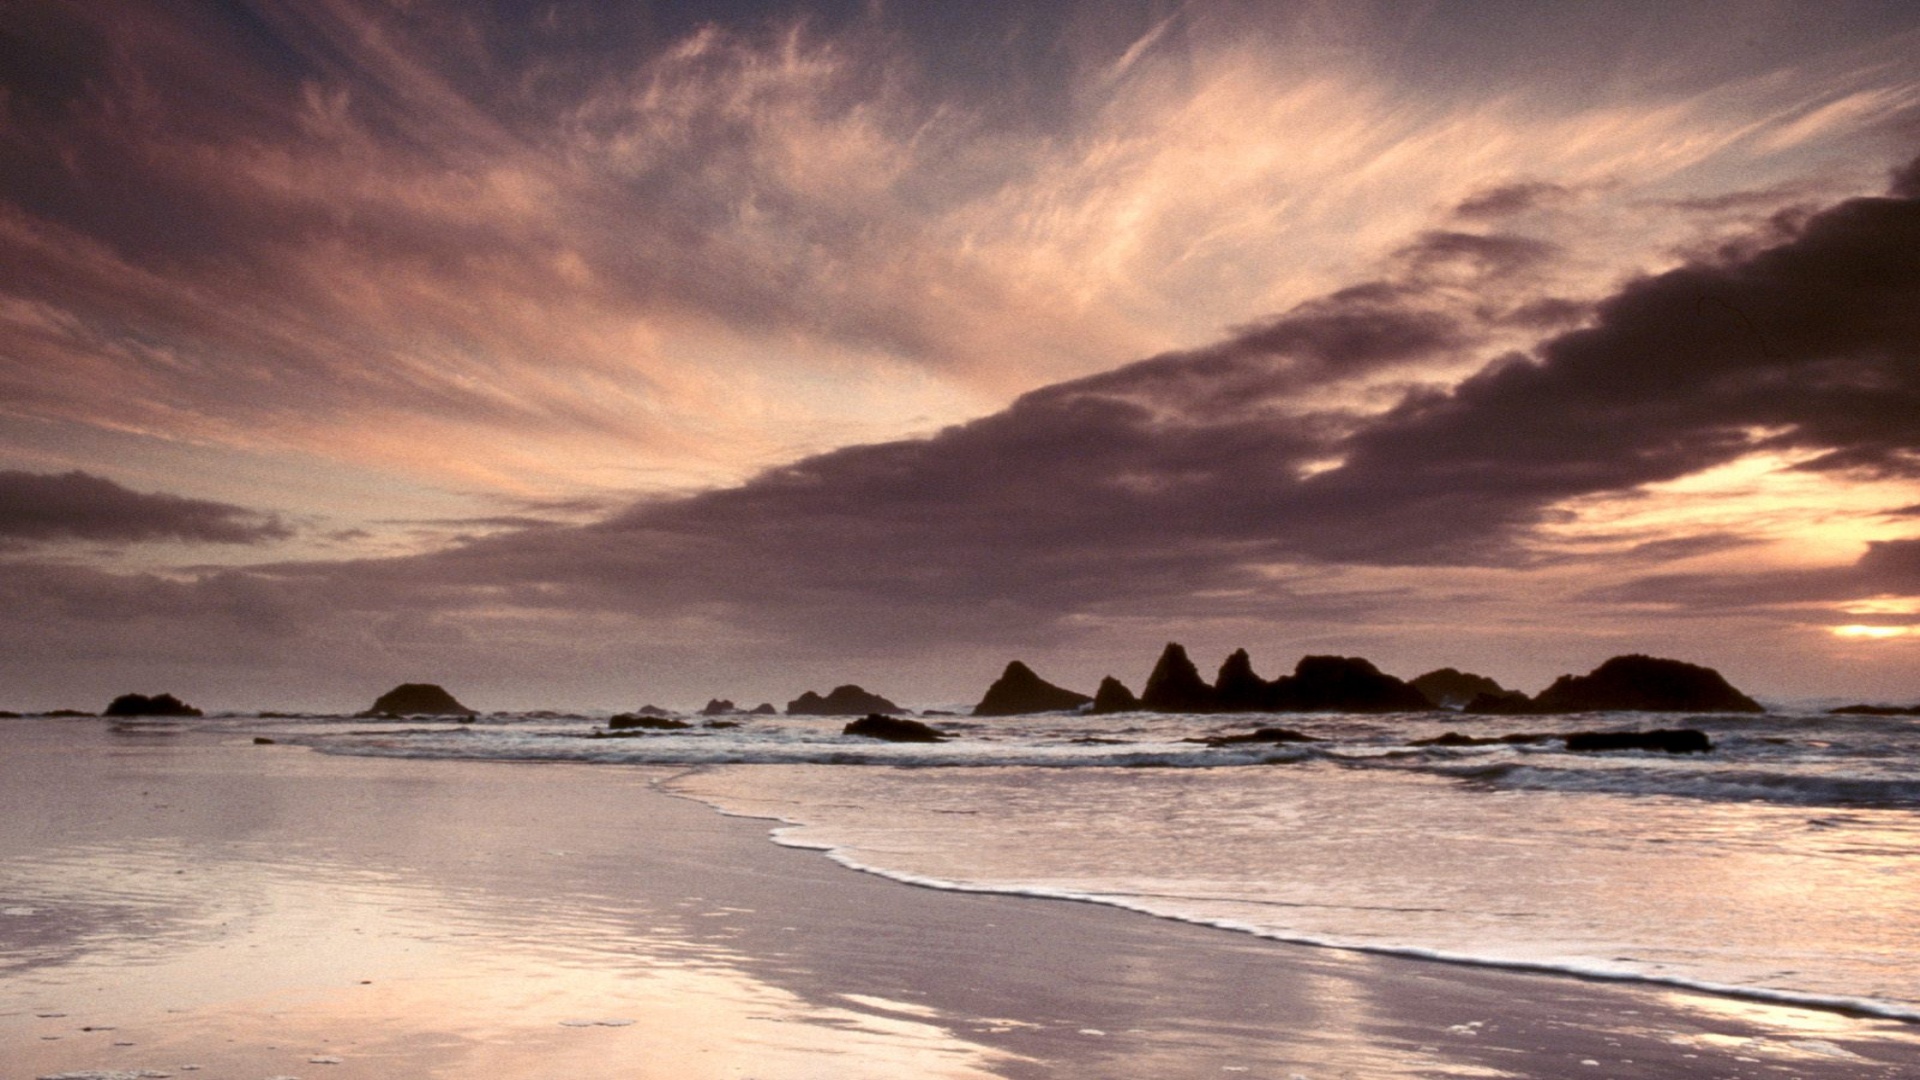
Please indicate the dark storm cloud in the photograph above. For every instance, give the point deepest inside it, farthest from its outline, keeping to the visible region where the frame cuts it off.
(1167, 486)
(1811, 346)
(77, 506)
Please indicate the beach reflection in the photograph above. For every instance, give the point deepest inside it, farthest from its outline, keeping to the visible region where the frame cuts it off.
(335, 925)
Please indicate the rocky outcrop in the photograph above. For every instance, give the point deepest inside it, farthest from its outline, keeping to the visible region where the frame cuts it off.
(892, 729)
(142, 705)
(1875, 710)
(1451, 688)
(1644, 684)
(1342, 684)
(719, 707)
(1668, 740)
(1018, 691)
(1113, 696)
(1236, 688)
(765, 708)
(848, 700)
(416, 699)
(1175, 685)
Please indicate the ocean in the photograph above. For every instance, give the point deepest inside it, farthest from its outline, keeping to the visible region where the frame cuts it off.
(1784, 865)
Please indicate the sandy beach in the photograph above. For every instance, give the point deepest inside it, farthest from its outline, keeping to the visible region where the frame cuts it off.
(189, 903)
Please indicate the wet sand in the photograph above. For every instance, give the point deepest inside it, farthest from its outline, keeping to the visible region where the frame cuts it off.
(175, 898)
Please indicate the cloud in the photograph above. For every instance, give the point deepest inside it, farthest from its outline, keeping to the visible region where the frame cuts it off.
(78, 506)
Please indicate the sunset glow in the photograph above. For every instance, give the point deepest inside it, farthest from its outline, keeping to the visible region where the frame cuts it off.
(797, 343)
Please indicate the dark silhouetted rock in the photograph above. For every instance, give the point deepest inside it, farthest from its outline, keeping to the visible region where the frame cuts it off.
(262, 740)
(1454, 738)
(645, 720)
(1670, 740)
(142, 705)
(1018, 690)
(1876, 710)
(8, 714)
(1236, 688)
(892, 729)
(765, 708)
(68, 713)
(1342, 684)
(1263, 735)
(1450, 688)
(719, 707)
(1511, 703)
(416, 699)
(846, 700)
(722, 724)
(1175, 685)
(1113, 696)
(1644, 684)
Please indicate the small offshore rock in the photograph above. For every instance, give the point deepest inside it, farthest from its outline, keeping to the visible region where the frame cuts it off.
(1669, 740)
(142, 705)
(847, 700)
(647, 720)
(893, 729)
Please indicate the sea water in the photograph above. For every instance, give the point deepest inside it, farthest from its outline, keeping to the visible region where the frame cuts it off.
(1785, 864)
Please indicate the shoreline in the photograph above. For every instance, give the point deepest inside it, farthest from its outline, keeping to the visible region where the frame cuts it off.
(459, 917)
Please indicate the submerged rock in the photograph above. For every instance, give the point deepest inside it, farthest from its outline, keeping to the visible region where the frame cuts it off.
(1175, 685)
(1875, 710)
(1669, 740)
(1644, 684)
(416, 699)
(1262, 735)
(848, 700)
(893, 729)
(1113, 696)
(142, 705)
(1454, 738)
(643, 719)
(1342, 684)
(1451, 688)
(1018, 691)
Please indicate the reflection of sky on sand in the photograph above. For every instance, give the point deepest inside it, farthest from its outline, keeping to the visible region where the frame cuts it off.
(264, 952)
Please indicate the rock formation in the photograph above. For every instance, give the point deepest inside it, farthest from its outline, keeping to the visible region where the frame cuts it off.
(846, 700)
(765, 708)
(1644, 684)
(1670, 740)
(416, 699)
(1113, 696)
(1175, 685)
(1451, 688)
(892, 729)
(719, 707)
(1342, 684)
(1018, 690)
(142, 705)
(1236, 688)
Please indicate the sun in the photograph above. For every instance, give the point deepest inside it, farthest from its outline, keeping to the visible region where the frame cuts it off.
(1860, 632)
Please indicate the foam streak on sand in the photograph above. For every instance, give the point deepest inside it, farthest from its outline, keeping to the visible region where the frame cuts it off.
(254, 908)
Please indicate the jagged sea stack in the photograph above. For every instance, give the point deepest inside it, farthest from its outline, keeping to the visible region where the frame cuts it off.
(1237, 688)
(1018, 691)
(1175, 685)
(1113, 696)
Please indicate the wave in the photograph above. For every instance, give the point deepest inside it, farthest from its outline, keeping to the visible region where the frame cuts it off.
(784, 828)
(1722, 785)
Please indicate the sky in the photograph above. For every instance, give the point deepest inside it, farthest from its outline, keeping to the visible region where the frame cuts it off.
(583, 354)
